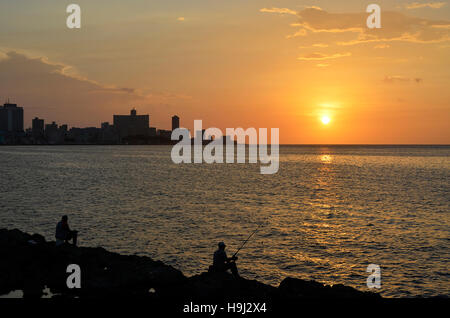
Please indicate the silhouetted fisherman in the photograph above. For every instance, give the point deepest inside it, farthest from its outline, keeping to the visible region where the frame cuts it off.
(222, 262)
(63, 232)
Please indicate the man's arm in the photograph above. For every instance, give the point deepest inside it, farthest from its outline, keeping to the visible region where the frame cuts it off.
(67, 228)
(229, 259)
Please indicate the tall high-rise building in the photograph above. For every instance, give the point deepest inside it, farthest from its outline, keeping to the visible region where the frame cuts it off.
(37, 127)
(11, 118)
(175, 122)
(131, 125)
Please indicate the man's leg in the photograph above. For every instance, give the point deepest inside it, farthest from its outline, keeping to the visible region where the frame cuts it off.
(72, 235)
(68, 237)
(232, 266)
(75, 237)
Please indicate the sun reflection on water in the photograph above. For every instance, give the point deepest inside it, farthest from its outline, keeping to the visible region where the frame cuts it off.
(326, 158)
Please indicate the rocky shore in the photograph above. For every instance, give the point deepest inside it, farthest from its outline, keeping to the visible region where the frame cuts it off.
(31, 264)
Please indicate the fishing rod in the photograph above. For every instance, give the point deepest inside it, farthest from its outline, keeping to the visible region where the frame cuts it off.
(245, 242)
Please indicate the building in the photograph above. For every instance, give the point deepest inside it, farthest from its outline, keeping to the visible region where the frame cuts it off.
(131, 125)
(164, 134)
(105, 125)
(152, 131)
(53, 134)
(51, 128)
(37, 128)
(108, 134)
(88, 135)
(11, 118)
(175, 122)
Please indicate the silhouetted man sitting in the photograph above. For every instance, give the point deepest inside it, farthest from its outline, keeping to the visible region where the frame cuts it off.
(222, 263)
(64, 233)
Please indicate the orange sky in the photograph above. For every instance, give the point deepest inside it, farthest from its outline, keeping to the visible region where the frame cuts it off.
(282, 64)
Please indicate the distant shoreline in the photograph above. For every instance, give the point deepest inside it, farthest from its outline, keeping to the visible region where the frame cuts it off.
(281, 145)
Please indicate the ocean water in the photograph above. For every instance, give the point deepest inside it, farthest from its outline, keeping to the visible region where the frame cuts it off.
(326, 215)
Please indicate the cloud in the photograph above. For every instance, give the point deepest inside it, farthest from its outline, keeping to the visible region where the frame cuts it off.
(395, 27)
(54, 91)
(278, 10)
(320, 56)
(313, 7)
(322, 65)
(117, 90)
(320, 45)
(417, 5)
(382, 46)
(317, 20)
(301, 32)
(16, 62)
(399, 78)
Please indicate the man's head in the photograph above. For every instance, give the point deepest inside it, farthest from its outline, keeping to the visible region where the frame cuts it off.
(64, 218)
(221, 245)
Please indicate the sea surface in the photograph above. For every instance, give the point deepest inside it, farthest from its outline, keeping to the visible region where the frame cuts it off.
(328, 213)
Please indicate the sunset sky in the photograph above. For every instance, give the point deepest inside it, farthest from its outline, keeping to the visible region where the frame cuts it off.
(311, 68)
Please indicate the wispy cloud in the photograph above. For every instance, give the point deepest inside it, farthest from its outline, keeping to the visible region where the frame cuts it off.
(278, 10)
(399, 78)
(301, 32)
(382, 46)
(321, 56)
(396, 27)
(38, 83)
(418, 5)
(313, 7)
(320, 45)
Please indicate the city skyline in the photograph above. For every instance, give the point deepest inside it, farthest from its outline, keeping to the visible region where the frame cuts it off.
(24, 127)
(131, 128)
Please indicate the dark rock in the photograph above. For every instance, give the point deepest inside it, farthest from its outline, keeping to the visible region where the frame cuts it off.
(219, 286)
(298, 288)
(29, 263)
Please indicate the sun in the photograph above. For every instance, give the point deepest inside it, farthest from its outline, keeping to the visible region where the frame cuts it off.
(325, 120)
